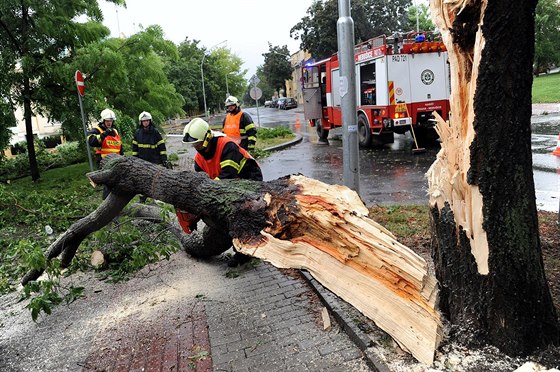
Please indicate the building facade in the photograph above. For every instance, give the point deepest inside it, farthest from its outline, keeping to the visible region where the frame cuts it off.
(293, 86)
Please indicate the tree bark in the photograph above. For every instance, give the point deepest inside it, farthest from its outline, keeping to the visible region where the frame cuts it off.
(292, 222)
(486, 245)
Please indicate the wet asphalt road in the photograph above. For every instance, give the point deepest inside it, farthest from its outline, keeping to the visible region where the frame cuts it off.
(393, 174)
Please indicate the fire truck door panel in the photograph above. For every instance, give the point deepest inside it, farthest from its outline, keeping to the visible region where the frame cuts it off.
(398, 72)
(382, 95)
(333, 98)
(312, 103)
(428, 77)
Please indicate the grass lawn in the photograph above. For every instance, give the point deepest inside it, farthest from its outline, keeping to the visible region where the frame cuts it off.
(546, 88)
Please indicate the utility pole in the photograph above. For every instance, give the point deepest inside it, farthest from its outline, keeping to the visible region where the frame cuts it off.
(202, 77)
(350, 147)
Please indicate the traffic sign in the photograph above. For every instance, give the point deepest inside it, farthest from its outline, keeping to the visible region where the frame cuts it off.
(254, 80)
(80, 83)
(255, 93)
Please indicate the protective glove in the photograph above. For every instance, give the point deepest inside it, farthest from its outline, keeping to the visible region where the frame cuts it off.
(187, 220)
(108, 132)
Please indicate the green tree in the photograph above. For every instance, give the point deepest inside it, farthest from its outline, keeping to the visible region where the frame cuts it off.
(126, 75)
(35, 35)
(547, 35)
(424, 21)
(220, 62)
(186, 75)
(318, 33)
(277, 67)
(266, 87)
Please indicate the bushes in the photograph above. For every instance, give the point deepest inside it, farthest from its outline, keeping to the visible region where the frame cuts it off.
(65, 154)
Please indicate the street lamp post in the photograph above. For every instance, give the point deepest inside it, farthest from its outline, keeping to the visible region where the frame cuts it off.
(202, 77)
(227, 87)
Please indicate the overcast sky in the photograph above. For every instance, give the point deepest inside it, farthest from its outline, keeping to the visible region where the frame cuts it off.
(247, 25)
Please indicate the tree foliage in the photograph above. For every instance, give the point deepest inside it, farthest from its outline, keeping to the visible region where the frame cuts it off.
(219, 65)
(424, 21)
(547, 35)
(318, 33)
(277, 67)
(36, 34)
(126, 75)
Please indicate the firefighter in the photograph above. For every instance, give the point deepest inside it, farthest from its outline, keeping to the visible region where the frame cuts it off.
(239, 125)
(221, 158)
(148, 144)
(105, 140)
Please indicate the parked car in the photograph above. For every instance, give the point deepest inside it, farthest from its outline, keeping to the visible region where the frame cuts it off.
(267, 103)
(289, 103)
(280, 103)
(274, 103)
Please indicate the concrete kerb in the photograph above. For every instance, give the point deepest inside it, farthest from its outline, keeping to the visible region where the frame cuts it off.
(282, 146)
(357, 336)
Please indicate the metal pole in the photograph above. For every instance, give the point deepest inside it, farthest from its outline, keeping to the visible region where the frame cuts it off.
(85, 132)
(203, 90)
(350, 148)
(417, 15)
(227, 88)
(258, 116)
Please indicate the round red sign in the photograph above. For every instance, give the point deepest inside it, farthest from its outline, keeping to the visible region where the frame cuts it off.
(80, 83)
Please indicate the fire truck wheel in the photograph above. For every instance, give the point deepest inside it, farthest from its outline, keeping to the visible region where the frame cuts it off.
(322, 133)
(364, 131)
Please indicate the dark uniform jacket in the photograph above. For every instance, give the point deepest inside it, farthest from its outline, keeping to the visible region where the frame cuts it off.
(149, 145)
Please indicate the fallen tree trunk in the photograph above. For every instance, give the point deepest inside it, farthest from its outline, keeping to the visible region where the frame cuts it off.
(486, 244)
(294, 222)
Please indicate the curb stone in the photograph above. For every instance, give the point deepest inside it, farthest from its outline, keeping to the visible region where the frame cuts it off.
(282, 146)
(332, 302)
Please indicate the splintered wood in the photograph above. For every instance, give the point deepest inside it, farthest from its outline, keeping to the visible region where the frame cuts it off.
(357, 259)
(447, 177)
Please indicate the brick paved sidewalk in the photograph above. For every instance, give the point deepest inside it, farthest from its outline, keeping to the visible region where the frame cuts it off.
(261, 320)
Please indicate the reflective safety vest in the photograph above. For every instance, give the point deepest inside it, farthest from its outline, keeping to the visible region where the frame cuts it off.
(110, 145)
(231, 127)
(213, 167)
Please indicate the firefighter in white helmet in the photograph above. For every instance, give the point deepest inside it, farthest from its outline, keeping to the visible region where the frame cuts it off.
(148, 144)
(221, 158)
(239, 125)
(104, 139)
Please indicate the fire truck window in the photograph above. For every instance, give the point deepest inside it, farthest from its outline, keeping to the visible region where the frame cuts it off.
(367, 84)
(310, 77)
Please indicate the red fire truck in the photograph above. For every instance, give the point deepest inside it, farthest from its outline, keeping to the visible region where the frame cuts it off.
(400, 81)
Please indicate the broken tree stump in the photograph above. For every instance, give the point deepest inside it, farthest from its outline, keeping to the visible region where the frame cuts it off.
(297, 222)
(486, 246)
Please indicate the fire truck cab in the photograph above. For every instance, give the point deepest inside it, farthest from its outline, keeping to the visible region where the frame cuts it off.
(400, 82)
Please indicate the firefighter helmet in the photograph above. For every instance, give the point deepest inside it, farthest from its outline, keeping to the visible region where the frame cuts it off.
(231, 100)
(196, 130)
(108, 114)
(145, 115)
